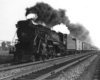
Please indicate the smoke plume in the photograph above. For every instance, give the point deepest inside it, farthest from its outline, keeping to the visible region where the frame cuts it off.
(46, 14)
(80, 32)
(51, 17)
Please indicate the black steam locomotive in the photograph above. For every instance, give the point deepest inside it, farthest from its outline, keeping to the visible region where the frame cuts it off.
(37, 42)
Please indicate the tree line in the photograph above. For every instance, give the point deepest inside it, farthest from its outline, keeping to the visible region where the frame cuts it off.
(5, 46)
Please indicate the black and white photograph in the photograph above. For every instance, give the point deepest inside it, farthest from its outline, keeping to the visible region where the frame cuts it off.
(49, 40)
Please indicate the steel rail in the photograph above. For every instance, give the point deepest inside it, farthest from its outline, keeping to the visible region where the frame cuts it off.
(37, 62)
(20, 74)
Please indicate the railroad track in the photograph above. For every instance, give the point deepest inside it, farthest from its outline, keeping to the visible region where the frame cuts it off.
(13, 65)
(44, 73)
(96, 75)
(21, 70)
(7, 65)
(10, 63)
(54, 72)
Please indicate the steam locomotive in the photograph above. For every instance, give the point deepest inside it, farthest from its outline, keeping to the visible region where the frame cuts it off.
(37, 42)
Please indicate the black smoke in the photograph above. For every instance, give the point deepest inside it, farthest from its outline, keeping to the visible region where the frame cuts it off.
(46, 14)
(51, 17)
(80, 32)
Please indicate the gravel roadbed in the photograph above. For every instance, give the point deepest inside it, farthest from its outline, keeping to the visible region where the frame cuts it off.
(89, 71)
(75, 72)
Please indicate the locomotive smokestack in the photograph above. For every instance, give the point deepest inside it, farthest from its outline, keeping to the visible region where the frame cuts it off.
(51, 17)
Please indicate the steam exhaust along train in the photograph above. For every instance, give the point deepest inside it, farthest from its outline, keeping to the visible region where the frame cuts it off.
(37, 42)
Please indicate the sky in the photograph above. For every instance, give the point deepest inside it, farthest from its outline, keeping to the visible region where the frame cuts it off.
(85, 12)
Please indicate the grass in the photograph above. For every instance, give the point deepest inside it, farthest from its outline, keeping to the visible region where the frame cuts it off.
(5, 56)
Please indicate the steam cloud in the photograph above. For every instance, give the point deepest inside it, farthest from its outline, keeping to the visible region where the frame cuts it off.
(51, 17)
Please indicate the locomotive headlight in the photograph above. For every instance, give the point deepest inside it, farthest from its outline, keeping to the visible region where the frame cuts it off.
(24, 34)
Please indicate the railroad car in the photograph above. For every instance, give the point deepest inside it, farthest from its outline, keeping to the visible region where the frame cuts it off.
(37, 42)
(84, 46)
(79, 46)
(70, 45)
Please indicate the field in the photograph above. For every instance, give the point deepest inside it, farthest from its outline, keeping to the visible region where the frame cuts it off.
(5, 56)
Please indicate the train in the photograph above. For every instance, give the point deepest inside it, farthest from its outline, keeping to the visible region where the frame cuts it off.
(37, 42)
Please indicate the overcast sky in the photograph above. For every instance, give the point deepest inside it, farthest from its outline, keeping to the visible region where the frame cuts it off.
(86, 12)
